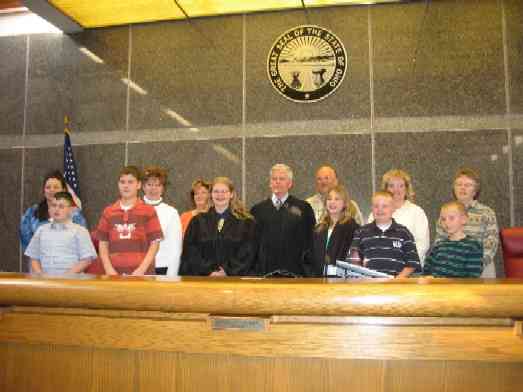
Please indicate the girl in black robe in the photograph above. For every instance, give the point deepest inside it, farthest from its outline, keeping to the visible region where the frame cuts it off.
(220, 242)
(332, 236)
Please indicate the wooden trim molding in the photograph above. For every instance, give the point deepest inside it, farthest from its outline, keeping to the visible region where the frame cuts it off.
(234, 296)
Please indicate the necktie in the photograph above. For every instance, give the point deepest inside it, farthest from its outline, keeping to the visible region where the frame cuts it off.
(277, 204)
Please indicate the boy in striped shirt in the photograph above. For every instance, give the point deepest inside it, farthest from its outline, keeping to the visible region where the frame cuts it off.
(384, 245)
(129, 231)
(458, 256)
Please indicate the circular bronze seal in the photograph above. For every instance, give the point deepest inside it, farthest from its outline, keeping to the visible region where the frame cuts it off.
(307, 63)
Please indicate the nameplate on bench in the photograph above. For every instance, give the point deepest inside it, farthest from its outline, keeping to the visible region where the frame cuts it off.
(248, 324)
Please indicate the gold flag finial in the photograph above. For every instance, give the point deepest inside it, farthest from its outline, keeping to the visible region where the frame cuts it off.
(66, 123)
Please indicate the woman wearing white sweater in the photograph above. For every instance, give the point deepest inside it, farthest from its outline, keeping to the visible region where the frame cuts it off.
(168, 257)
(406, 213)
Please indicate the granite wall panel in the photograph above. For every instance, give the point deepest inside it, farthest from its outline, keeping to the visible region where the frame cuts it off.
(12, 80)
(190, 74)
(10, 178)
(349, 154)
(438, 58)
(80, 76)
(514, 38)
(189, 160)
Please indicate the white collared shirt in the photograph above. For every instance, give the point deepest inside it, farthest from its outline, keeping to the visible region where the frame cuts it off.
(282, 199)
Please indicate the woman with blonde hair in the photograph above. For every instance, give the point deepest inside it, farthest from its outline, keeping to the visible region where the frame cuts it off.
(406, 213)
(220, 242)
(332, 236)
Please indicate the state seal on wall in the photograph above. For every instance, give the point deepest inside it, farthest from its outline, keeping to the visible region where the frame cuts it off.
(307, 63)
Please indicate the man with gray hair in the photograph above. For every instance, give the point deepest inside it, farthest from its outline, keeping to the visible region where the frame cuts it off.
(326, 178)
(284, 226)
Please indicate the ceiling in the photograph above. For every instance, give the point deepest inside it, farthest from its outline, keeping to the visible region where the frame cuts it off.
(101, 13)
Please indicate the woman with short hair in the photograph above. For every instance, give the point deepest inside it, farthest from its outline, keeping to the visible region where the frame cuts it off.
(482, 224)
(167, 260)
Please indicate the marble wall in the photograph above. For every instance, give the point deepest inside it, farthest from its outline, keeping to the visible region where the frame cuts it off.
(431, 87)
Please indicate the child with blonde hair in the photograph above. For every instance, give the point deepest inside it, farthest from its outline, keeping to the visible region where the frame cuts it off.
(458, 256)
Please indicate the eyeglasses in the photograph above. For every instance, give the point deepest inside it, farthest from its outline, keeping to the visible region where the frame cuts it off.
(220, 192)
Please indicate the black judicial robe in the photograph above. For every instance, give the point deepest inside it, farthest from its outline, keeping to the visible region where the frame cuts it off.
(205, 248)
(284, 236)
(337, 248)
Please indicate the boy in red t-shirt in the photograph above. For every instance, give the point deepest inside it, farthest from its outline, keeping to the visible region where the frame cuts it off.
(129, 230)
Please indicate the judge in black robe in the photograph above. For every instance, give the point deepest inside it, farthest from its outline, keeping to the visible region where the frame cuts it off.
(337, 247)
(219, 244)
(283, 232)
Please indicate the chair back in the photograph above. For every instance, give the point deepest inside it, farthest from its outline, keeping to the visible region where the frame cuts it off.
(512, 246)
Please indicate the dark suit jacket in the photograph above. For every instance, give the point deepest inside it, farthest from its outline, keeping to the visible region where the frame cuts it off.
(337, 248)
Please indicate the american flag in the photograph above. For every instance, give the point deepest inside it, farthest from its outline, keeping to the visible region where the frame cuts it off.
(70, 171)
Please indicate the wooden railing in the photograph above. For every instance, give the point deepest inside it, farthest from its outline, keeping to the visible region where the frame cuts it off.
(297, 333)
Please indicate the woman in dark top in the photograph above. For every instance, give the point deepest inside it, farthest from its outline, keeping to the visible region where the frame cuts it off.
(219, 242)
(332, 236)
(38, 214)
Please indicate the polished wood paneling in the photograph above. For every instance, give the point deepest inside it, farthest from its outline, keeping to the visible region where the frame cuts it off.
(319, 340)
(50, 368)
(233, 296)
(157, 371)
(510, 377)
(472, 376)
(147, 335)
(114, 370)
(407, 376)
(62, 368)
(355, 375)
(3, 367)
